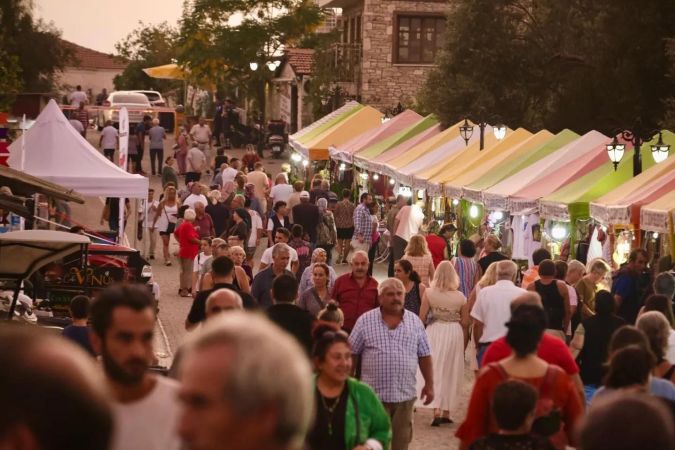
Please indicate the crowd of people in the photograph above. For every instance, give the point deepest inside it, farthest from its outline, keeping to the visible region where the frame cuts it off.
(284, 353)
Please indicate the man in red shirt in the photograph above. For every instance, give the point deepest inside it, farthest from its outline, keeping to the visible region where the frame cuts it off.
(356, 292)
(439, 244)
(551, 349)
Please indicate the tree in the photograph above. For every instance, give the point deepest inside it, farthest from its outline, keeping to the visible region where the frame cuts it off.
(147, 46)
(31, 51)
(554, 64)
(220, 38)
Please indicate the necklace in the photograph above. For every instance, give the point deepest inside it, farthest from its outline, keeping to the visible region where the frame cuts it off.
(330, 410)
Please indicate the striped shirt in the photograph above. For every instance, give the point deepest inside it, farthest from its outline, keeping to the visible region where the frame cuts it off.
(389, 358)
(466, 269)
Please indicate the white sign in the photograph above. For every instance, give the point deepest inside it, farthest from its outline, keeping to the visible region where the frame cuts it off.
(123, 162)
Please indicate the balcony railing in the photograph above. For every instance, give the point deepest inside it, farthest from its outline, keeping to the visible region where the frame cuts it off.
(346, 62)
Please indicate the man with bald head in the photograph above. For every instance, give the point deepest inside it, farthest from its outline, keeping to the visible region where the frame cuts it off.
(52, 397)
(551, 348)
(356, 291)
(222, 300)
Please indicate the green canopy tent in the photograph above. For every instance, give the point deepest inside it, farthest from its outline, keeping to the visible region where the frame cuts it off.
(572, 202)
(373, 151)
(473, 191)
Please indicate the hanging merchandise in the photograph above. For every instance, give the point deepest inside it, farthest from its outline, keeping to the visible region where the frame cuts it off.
(623, 246)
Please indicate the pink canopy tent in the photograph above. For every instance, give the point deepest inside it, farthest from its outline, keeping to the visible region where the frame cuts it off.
(627, 209)
(498, 197)
(563, 175)
(379, 164)
(401, 121)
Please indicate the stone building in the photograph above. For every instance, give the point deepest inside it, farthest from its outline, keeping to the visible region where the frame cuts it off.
(387, 47)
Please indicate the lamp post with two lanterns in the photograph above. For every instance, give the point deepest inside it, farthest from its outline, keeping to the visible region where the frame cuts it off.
(466, 131)
(637, 136)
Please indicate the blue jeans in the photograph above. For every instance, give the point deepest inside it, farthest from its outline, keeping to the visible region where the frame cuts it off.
(480, 351)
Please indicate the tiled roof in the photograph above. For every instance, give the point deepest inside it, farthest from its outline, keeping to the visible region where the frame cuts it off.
(301, 60)
(87, 58)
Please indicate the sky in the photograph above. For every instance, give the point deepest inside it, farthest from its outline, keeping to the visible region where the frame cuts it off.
(100, 24)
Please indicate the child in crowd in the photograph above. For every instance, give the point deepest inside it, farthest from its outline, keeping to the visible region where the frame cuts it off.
(513, 406)
(197, 268)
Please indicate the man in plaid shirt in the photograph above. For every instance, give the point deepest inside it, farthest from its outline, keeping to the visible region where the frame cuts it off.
(391, 343)
(363, 222)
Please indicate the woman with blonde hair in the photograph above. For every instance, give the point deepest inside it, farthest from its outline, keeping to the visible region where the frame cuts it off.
(417, 252)
(448, 332)
(166, 218)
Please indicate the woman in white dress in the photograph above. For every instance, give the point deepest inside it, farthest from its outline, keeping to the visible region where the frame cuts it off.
(448, 335)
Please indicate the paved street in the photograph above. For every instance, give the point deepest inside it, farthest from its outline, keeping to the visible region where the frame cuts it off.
(174, 309)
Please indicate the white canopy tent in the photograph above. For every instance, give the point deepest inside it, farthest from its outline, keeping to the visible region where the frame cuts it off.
(56, 152)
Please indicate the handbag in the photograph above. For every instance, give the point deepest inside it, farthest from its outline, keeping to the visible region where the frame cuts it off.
(171, 227)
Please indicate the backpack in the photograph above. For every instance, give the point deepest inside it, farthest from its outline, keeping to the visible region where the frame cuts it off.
(548, 417)
(304, 254)
(323, 234)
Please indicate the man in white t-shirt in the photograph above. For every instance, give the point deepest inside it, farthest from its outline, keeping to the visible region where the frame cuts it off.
(147, 212)
(407, 224)
(196, 163)
(201, 135)
(493, 307)
(256, 233)
(262, 185)
(145, 406)
(281, 191)
(108, 141)
(200, 132)
(195, 196)
(78, 96)
(282, 236)
(77, 125)
(230, 172)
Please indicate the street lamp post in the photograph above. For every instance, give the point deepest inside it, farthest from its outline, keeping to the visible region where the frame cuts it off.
(466, 131)
(637, 136)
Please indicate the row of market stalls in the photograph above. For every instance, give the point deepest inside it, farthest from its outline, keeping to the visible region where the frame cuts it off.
(533, 189)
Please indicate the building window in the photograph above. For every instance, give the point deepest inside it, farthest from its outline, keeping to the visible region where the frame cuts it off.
(419, 38)
(358, 29)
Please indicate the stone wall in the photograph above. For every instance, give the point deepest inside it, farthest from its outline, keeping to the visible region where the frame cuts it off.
(385, 84)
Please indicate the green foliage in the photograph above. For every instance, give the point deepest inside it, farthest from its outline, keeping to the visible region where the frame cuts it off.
(578, 64)
(147, 46)
(10, 80)
(31, 52)
(324, 73)
(219, 38)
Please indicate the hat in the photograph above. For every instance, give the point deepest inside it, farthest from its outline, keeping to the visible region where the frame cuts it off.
(304, 194)
(332, 196)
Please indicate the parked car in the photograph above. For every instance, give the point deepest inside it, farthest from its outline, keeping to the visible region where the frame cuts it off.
(154, 97)
(136, 103)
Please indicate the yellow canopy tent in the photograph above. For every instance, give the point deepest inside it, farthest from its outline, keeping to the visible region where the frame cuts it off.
(460, 161)
(453, 188)
(354, 125)
(166, 72)
(473, 156)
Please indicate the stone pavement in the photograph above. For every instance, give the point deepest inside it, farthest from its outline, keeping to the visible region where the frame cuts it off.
(170, 330)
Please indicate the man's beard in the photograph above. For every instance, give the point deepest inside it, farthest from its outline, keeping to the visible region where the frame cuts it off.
(121, 374)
